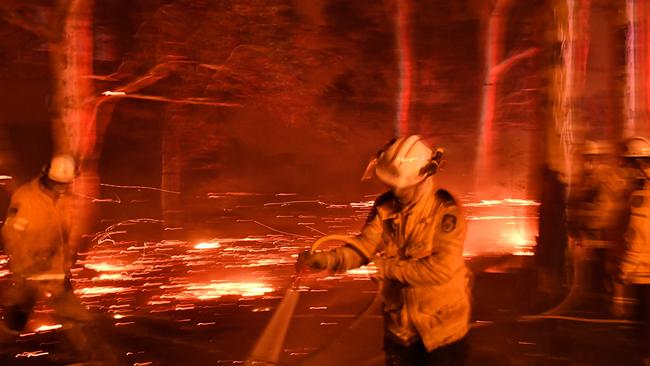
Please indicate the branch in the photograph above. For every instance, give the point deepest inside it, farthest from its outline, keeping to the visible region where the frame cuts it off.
(224, 64)
(155, 74)
(197, 101)
(510, 61)
(109, 77)
(212, 67)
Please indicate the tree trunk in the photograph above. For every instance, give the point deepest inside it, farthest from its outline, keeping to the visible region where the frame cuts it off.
(638, 73)
(72, 67)
(495, 67)
(405, 56)
(562, 131)
(73, 125)
(493, 54)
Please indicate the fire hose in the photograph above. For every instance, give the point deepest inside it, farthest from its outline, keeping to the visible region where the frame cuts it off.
(267, 349)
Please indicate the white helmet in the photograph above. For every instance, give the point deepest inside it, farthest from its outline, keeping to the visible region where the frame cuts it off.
(404, 162)
(62, 169)
(636, 147)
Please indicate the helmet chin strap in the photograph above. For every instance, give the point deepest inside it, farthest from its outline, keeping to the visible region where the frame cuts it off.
(643, 167)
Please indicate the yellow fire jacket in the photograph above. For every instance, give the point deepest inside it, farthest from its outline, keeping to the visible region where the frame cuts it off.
(36, 232)
(419, 254)
(635, 264)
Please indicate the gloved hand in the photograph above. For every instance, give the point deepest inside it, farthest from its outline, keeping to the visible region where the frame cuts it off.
(380, 263)
(307, 259)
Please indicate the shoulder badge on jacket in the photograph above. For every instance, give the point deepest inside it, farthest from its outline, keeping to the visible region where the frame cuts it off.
(448, 223)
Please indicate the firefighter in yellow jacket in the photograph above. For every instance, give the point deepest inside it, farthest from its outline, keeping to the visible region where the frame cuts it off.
(415, 235)
(635, 263)
(39, 238)
(596, 222)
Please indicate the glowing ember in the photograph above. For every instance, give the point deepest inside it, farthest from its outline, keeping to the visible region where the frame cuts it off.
(208, 245)
(94, 291)
(269, 262)
(364, 204)
(108, 267)
(32, 354)
(504, 202)
(496, 217)
(363, 271)
(109, 277)
(109, 93)
(45, 328)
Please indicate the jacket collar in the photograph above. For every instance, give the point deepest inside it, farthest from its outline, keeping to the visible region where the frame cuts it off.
(424, 203)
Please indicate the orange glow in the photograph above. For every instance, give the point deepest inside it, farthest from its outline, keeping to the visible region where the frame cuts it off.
(211, 291)
(522, 242)
(267, 262)
(501, 226)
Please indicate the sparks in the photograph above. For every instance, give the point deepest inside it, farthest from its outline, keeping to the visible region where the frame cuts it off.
(211, 291)
(95, 291)
(109, 93)
(32, 354)
(208, 245)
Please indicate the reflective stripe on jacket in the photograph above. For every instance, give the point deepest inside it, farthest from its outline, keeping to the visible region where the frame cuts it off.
(419, 253)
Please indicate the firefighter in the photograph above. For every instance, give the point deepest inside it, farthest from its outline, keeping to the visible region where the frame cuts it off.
(635, 262)
(596, 223)
(414, 235)
(599, 206)
(39, 239)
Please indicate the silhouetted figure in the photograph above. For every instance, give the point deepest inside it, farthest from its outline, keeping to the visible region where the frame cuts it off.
(415, 236)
